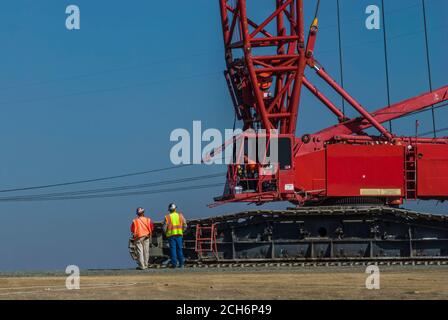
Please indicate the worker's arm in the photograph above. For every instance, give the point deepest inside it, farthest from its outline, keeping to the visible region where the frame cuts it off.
(133, 229)
(184, 223)
(151, 227)
(164, 225)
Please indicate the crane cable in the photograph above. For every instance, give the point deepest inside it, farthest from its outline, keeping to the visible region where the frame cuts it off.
(341, 68)
(386, 59)
(428, 63)
(316, 13)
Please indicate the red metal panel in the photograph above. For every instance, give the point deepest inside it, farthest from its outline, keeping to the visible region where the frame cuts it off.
(371, 170)
(432, 171)
(286, 181)
(310, 171)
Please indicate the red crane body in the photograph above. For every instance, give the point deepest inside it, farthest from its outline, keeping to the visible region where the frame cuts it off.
(266, 74)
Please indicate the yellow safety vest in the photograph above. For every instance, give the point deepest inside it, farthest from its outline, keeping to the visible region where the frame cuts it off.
(174, 224)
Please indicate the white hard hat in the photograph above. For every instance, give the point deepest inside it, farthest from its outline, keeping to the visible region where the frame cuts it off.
(172, 207)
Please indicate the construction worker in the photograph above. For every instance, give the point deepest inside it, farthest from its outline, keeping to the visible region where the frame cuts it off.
(239, 174)
(251, 173)
(265, 81)
(141, 229)
(174, 227)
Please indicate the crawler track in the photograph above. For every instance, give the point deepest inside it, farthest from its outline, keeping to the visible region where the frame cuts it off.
(316, 236)
(304, 264)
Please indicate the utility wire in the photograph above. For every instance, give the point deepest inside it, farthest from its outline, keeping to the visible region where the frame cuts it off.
(210, 74)
(113, 195)
(118, 188)
(111, 89)
(70, 183)
(107, 71)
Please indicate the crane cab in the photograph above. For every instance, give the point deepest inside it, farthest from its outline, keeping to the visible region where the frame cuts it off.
(261, 170)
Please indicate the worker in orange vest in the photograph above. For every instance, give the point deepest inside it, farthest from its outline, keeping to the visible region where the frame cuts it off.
(174, 227)
(141, 229)
(265, 81)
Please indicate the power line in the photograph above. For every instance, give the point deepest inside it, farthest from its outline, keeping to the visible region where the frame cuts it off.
(102, 72)
(113, 195)
(69, 183)
(110, 89)
(117, 188)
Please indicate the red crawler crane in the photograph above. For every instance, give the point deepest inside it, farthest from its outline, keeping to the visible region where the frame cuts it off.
(332, 169)
(340, 164)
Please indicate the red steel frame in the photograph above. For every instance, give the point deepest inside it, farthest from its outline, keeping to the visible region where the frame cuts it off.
(289, 54)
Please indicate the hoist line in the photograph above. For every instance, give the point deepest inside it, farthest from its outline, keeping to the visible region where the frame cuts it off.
(341, 67)
(428, 64)
(386, 59)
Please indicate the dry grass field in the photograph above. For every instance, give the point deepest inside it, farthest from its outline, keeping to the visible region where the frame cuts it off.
(299, 283)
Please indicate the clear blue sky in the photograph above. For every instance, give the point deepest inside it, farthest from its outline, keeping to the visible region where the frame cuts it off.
(103, 100)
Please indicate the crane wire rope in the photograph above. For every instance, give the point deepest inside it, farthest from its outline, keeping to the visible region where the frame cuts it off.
(316, 12)
(386, 58)
(341, 67)
(428, 64)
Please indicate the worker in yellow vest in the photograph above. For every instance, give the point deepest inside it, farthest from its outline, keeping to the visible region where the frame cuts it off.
(174, 227)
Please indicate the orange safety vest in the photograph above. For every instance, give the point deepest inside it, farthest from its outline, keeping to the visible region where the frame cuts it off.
(141, 227)
(252, 166)
(174, 224)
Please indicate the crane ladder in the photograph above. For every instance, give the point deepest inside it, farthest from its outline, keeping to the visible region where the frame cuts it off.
(411, 173)
(206, 241)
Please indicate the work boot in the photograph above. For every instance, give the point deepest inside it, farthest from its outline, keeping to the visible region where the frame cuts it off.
(140, 268)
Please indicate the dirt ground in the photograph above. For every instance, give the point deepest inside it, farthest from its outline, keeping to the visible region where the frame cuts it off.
(300, 283)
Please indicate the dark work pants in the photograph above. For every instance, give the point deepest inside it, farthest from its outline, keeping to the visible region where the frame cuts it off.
(176, 250)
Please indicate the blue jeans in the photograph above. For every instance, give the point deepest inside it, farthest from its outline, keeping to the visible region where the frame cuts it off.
(176, 250)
